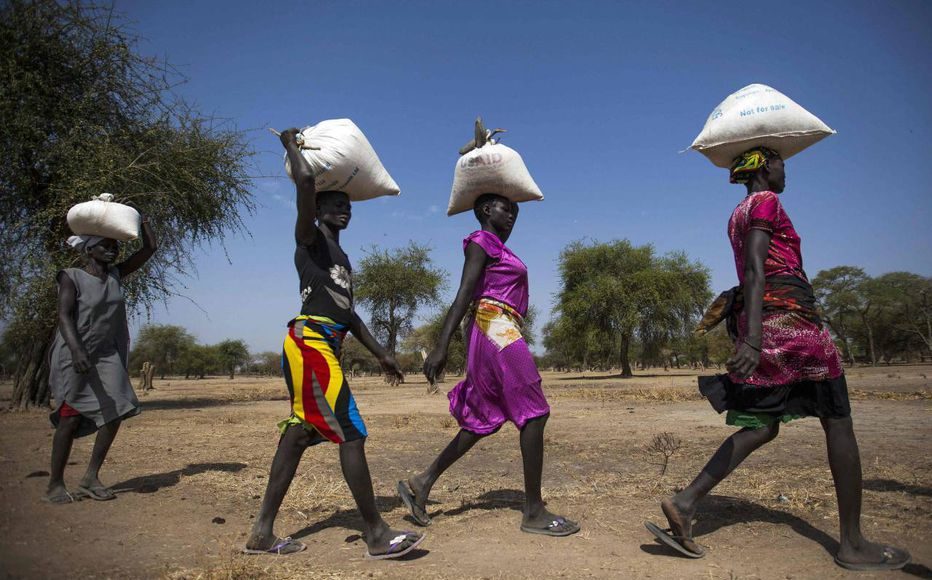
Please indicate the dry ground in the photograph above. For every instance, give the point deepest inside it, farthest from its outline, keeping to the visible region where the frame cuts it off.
(201, 450)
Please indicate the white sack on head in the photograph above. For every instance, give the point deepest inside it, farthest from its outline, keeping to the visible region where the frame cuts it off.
(342, 159)
(105, 218)
(491, 168)
(755, 116)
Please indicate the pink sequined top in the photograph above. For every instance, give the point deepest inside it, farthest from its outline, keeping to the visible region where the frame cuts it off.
(762, 210)
(505, 279)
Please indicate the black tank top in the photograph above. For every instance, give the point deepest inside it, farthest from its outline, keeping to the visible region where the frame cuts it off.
(326, 280)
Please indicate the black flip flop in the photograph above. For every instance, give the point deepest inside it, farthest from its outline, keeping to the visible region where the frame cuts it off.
(394, 547)
(566, 528)
(893, 559)
(281, 547)
(668, 539)
(97, 493)
(61, 499)
(407, 497)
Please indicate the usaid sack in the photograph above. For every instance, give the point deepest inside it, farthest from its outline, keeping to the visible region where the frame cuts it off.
(342, 159)
(491, 168)
(754, 116)
(104, 217)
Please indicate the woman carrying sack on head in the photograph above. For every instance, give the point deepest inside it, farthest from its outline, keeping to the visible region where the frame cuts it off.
(88, 375)
(502, 383)
(785, 367)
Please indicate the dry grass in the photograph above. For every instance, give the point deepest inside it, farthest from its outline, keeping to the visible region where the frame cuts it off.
(645, 394)
(864, 395)
(233, 567)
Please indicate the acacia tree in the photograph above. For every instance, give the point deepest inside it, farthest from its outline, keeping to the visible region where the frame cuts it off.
(198, 360)
(163, 345)
(618, 292)
(425, 337)
(83, 113)
(356, 358)
(232, 354)
(392, 285)
(837, 291)
(267, 363)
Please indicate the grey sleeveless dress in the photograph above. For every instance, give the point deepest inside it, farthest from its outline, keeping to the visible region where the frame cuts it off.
(104, 393)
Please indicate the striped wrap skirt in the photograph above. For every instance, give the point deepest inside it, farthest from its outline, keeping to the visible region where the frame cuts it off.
(321, 400)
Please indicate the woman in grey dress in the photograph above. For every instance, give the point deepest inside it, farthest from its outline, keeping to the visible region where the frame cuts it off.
(88, 359)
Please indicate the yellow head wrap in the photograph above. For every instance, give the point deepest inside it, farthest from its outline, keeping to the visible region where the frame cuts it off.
(746, 165)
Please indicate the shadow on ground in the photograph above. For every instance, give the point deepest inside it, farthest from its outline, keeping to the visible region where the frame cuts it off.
(351, 520)
(156, 481)
(894, 485)
(718, 511)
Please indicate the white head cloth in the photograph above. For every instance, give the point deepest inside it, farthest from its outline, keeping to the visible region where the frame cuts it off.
(84, 242)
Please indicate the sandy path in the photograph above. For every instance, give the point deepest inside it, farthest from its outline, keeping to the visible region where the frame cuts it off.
(196, 453)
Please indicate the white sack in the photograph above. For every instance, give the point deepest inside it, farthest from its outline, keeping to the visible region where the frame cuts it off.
(343, 160)
(492, 168)
(104, 217)
(754, 116)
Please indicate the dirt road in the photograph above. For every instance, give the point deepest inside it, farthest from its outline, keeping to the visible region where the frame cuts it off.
(201, 450)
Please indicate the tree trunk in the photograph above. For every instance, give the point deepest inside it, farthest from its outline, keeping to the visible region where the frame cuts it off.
(623, 356)
(870, 343)
(31, 377)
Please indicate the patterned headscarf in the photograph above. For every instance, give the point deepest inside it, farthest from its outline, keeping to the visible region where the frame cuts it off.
(746, 165)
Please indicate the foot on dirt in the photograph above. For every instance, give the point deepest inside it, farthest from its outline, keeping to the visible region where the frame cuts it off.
(58, 494)
(548, 524)
(421, 492)
(870, 556)
(260, 544)
(388, 543)
(680, 520)
(94, 489)
(413, 495)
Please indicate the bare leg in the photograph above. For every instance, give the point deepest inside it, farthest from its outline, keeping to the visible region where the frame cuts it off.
(681, 507)
(422, 483)
(102, 443)
(845, 461)
(291, 447)
(61, 450)
(356, 472)
(536, 515)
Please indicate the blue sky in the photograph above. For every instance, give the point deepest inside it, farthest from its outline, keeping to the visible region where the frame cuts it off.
(598, 97)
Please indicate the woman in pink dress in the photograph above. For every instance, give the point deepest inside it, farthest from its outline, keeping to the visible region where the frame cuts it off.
(502, 383)
(785, 367)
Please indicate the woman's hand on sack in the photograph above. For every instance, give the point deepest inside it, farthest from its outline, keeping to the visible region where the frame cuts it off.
(392, 369)
(289, 136)
(745, 360)
(80, 360)
(435, 363)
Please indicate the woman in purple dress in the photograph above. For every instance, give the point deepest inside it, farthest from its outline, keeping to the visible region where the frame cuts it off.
(785, 367)
(502, 383)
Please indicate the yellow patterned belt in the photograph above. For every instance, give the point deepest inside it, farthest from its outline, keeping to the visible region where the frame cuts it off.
(498, 321)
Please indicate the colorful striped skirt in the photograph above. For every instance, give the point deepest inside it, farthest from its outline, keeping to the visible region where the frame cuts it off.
(320, 396)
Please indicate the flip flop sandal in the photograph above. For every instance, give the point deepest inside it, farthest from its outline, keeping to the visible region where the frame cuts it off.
(61, 499)
(282, 547)
(566, 528)
(893, 559)
(668, 539)
(407, 497)
(394, 546)
(97, 493)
